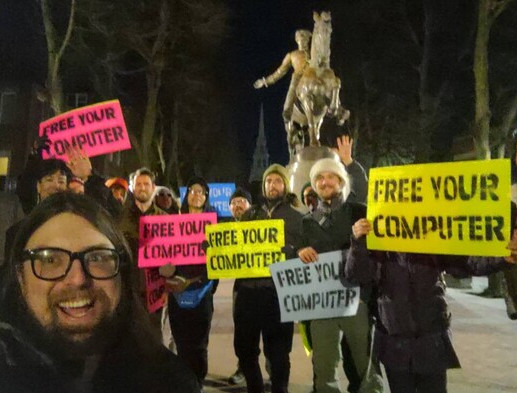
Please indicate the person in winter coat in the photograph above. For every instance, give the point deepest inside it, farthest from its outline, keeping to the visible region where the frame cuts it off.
(190, 323)
(256, 309)
(70, 318)
(413, 338)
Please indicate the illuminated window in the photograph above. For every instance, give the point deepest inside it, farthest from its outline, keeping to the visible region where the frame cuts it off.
(4, 166)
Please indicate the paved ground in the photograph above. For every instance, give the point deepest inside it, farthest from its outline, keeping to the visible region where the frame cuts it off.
(485, 339)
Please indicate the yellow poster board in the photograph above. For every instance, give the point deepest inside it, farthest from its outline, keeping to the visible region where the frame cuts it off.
(244, 249)
(460, 208)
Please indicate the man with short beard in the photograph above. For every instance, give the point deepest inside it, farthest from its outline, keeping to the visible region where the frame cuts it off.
(256, 310)
(70, 320)
(329, 228)
(141, 205)
(240, 202)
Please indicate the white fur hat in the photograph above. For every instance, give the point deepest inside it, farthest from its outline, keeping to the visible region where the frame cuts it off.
(328, 165)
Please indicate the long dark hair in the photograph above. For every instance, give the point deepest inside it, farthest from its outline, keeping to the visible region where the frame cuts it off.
(12, 305)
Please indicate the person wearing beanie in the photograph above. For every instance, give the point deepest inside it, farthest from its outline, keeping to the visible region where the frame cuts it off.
(256, 310)
(190, 327)
(328, 165)
(118, 187)
(240, 202)
(309, 197)
(43, 178)
(329, 228)
(166, 200)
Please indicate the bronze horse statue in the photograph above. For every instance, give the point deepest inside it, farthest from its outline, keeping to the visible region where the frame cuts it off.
(317, 91)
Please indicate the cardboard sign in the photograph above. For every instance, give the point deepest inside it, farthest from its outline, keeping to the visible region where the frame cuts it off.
(460, 208)
(97, 129)
(244, 249)
(154, 290)
(219, 195)
(308, 291)
(176, 239)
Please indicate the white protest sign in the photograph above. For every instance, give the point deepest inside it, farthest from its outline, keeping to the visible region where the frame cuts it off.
(313, 290)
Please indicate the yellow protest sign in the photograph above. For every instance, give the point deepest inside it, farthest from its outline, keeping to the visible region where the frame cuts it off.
(244, 249)
(460, 208)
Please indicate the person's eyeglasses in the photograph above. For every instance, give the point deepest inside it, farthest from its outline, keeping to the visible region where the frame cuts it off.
(238, 201)
(164, 194)
(53, 264)
(193, 191)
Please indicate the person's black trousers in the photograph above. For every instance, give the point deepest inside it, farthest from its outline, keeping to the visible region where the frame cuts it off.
(257, 312)
(409, 382)
(190, 329)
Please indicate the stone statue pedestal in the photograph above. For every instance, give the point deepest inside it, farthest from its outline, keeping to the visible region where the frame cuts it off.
(300, 165)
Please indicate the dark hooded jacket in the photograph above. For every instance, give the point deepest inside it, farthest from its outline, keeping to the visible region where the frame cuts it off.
(413, 319)
(26, 369)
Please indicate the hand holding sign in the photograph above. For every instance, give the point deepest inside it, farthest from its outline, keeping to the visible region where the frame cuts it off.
(512, 246)
(308, 255)
(361, 228)
(41, 144)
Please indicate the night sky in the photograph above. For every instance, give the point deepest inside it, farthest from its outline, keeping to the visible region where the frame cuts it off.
(259, 36)
(261, 32)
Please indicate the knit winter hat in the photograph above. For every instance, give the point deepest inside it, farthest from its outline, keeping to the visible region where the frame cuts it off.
(240, 193)
(198, 180)
(328, 165)
(164, 190)
(51, 166)
(117, 181)
(279, 170)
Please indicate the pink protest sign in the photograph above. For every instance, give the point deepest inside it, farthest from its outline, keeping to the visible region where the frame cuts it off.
(175, 239)
(154, 290)
(97, 129)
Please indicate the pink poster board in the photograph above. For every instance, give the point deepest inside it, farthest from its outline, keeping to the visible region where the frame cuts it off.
(154, 290)
(176, 239)
(98, 129)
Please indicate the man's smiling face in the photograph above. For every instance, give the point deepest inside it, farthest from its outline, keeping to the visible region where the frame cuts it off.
(76, 304)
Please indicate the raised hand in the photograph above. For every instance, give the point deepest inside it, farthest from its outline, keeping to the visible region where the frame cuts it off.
(78, 162)
(344, 149)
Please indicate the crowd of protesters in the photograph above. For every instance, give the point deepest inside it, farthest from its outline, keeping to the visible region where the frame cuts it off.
(402, 321)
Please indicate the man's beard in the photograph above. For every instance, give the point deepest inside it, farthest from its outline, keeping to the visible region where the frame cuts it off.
(328, 193)
(144, 198)
(59, 343)
(238, 213)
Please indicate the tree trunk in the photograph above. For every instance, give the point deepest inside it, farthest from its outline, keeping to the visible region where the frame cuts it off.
(55, 53)
(173, 167)
(482, 115)
(151, 111)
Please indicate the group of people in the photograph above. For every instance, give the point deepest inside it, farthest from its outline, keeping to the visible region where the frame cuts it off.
(73, 302)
